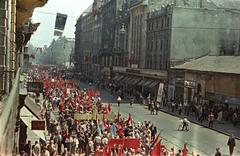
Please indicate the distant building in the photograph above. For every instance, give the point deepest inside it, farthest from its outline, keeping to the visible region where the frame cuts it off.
(211, 80)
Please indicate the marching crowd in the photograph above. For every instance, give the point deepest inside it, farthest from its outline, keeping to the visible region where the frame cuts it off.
(97, 135)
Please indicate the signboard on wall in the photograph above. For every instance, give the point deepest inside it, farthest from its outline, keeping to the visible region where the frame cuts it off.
(160, 92)
(190, 84)
(35, 87)
(38, 125)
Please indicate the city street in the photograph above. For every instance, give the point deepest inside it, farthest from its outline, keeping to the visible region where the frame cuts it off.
(199, 139)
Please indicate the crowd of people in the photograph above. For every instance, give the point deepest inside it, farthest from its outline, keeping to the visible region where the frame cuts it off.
(75, 136)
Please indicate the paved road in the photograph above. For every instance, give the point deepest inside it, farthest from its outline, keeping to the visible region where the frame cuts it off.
(199, 139)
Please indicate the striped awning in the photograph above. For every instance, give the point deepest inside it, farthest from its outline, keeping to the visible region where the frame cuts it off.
(153, 84)
(146, 84)
(142, 82)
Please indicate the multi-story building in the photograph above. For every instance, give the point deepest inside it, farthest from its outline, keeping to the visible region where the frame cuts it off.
(122, 24)
(16, 31)
(106, 52)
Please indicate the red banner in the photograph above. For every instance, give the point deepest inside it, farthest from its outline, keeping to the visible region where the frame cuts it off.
(127, 143)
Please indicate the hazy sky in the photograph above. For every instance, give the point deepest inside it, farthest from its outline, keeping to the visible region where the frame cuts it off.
(44, 33)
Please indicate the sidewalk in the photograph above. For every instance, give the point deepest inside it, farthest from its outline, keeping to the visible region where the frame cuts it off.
(225, 129)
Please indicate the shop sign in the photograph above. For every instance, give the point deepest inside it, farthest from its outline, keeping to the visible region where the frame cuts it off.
(134, 65)
(190, 84)
(106, 69)
(38, 125)
(228, 99)
(133, 71)
(178, 81)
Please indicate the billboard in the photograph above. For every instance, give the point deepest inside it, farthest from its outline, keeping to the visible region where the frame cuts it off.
(35, 87)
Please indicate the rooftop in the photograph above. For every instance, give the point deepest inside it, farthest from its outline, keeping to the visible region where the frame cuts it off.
(222, 64)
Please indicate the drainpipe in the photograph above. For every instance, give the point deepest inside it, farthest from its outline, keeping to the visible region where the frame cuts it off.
(8, 44)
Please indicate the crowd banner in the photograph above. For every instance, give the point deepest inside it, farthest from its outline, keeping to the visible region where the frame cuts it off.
(60, 21)
(127, 143)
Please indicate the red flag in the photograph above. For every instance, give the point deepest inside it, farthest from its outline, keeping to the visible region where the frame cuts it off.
(166, 153)
(78, 110)
(53, 75)
(94, 12)
(118, 121)
(58, 76)
(86, 58)
(47, 91)
(129, 119)
(105, 124)
(156, 150)
(92, 92)
(109, 107)
(91, 107)
(107, 110)
(155, 141)
(185, 150)
(120, 151)
(110, 153)
(120, 132)
(104, 151)
(88, 93)
(66, 135)
(103, 117)
(82, 96)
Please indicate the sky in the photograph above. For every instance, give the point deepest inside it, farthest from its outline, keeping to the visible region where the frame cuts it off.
(46, 15)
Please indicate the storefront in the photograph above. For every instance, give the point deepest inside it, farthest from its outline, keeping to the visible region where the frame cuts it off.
(189, 87)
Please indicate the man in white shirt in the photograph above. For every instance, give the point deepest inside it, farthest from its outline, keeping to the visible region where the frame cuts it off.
(185, 104)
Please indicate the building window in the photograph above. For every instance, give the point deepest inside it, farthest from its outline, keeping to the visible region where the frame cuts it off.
(148, 45)
(151, 45)
(157, 25)
(162, 23)
(166, 64)
(149, 26)
(152, 25)
(161, 45)
(155, 62)
(156, 46)
(167, 44)
(168, 22)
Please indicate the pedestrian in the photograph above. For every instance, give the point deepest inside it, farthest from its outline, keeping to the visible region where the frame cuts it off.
(180, 108)
(152, 108)
(185, 104)
(28, 148)
(218, 153)
(185, 122)
(45, 152)
(131, 102)
(36, 149)
(119, 100)
(225, 115)
(219, 118)
(210, 119)
(200, 112)
(153, 130)
(235, 118)
(173, 105)
(231, 143)
(156, 107)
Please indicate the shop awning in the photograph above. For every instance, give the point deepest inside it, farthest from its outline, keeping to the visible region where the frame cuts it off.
(142, 82)
(117, 76)
(153, 84)
(135, 80)
(126, 79)
(32, 106)
(120, 78)
(27, 118)
(146, 84)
